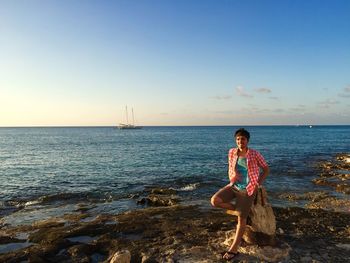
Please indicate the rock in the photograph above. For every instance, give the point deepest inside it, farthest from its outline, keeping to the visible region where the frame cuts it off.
(261, 222)
(267, 253)
(306, 259)
(158, 200)
(182, 233)
(163, 191)
(343, 188)
(336, 173)
(344, 246)
(134, 196)
(262, 218)
(148, 259)
(280, 231)
(122, 256)
(79, 253)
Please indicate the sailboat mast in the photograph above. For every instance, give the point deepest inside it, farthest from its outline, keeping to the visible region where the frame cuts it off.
(133, 120)
(127, 118)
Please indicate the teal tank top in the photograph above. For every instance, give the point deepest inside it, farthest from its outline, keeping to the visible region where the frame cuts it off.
(242, 170)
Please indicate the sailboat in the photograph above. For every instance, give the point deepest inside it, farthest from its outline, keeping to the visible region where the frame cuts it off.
(128, 125)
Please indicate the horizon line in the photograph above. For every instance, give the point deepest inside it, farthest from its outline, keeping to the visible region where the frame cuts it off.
(223, 125)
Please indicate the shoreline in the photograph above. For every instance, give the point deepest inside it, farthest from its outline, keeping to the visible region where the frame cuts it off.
(163, 228)
(175, 233)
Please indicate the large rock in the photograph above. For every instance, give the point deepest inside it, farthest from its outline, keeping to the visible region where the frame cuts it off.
(123, 256)
(280, 251)
(261, 222)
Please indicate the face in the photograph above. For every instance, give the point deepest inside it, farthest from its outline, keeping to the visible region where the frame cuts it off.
(242, 142)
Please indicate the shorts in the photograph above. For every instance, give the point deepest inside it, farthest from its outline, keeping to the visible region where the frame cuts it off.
(243, 202)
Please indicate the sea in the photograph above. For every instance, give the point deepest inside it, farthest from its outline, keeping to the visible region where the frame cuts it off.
(50, 171)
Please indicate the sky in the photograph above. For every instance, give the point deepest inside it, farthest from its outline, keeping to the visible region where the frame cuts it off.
(175, 62)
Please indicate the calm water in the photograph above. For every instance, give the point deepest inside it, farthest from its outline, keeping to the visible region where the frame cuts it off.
(47, 167)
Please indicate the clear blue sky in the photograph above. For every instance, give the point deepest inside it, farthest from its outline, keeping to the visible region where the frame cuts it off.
(175, 62)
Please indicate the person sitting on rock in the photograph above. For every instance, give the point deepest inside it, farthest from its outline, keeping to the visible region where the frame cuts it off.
(245, 178)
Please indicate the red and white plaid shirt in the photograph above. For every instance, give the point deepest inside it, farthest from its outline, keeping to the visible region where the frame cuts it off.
(254, 161)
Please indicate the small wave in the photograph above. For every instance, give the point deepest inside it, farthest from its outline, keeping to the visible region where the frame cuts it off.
(189, 187)
(33, 202)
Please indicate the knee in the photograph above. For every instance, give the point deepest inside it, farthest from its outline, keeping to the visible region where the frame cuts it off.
(215, 201)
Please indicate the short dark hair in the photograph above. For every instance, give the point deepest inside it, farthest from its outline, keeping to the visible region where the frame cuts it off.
(242, 132)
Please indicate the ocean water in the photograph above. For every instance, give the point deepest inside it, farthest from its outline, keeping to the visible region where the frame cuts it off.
(51, 170)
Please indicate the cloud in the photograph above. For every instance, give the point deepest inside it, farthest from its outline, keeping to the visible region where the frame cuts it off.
(326, 104)
(226, 97)
(278, 110)
(229, 112)
(346, 93)
(241, 92)
(299, 108)
(263, 90)
(274, 98)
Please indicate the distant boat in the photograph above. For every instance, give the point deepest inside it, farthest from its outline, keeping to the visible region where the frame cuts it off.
(127, 125)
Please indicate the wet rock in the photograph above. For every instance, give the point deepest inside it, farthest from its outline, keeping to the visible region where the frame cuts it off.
(159, 197)
(335, 174)
(311, 196)
(123, 256)
(158, 200)
(9, 239)
(79, 253)
(163, 191)
(320, 200)
(343, 188)
(134, 196)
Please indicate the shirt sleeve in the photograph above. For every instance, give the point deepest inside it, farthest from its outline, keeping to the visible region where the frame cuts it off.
(261, 161)
(230, 168)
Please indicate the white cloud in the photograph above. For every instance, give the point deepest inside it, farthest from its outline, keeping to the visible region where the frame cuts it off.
(241, 92)
(225, 97)
(326, 104)
(346, 92)
(299, 108)
(263, 90)
(344, 95)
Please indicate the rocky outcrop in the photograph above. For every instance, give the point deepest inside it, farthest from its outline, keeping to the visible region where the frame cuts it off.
(123, 256)
(335, 176)
(160, 197)
(335, 173)
(179, 233)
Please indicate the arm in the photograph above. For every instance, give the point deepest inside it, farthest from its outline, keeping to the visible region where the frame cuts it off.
(264, 166)
(262, 177)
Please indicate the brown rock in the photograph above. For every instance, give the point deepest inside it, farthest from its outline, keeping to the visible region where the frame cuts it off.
(261, 223)
(123, 256)
(158, 200)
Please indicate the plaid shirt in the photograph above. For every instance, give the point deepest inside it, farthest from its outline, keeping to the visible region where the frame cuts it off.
(254, 161)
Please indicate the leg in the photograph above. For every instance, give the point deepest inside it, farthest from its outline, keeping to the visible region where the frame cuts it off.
(244, 203)
(223, 198)
(242, 221)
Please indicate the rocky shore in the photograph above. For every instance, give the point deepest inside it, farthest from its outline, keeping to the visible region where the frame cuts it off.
(166, 230)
